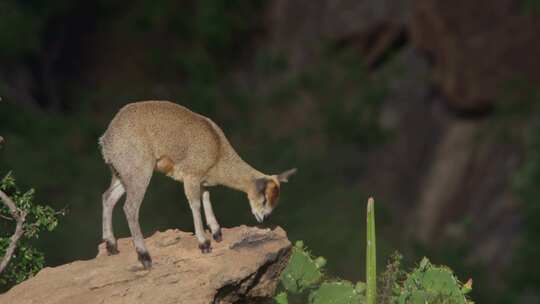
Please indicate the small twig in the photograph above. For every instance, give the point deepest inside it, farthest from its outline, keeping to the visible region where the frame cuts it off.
(20, 217)
(10, 204)
(6, 217)
(62, 211)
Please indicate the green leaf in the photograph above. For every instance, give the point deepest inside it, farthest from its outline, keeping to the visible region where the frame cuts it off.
(339, 292)
(320, 262)
(281, 298)
(302, 272)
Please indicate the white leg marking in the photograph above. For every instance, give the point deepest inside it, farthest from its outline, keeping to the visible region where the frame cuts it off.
(197, 220)
(209, 213)
(192, 188)
(110, 198)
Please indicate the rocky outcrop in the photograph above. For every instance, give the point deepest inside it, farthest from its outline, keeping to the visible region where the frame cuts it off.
(245, 266)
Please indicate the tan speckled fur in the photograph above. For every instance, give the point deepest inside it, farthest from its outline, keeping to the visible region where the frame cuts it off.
(188, 144)
(188, 147)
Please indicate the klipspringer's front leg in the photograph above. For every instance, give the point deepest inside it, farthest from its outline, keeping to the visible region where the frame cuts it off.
(192, 189)
(211, 218)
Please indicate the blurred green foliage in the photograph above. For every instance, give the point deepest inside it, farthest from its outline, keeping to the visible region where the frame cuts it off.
(23, 24)
(348, 96)
(27, 260)
(211, 35)
(531, 7)
(518, 116)
(19, 30)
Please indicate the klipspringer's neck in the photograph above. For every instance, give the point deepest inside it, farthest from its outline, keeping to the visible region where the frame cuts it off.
(233, 172)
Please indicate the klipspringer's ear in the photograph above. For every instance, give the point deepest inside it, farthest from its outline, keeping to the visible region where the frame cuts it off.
(284, 177)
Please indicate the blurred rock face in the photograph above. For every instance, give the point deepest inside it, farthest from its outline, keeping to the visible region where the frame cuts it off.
(298, 27)
(476, 46)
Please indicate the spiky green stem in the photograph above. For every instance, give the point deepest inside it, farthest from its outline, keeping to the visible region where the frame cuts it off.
(371, 251)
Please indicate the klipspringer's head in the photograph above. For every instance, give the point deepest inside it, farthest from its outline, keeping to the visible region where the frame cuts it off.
(265, 195)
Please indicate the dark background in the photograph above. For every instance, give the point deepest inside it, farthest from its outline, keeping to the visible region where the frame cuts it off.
(431, 106)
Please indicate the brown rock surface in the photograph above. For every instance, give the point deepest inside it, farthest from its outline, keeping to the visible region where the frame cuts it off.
(245, 266)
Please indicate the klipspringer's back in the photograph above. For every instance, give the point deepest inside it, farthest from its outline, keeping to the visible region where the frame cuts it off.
(152, 130)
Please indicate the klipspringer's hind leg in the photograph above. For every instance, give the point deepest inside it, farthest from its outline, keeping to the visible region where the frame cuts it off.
(211, 218)
(110, 198)
(136, 184)
(192, 188)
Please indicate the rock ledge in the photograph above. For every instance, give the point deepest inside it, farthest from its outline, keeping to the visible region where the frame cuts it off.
(244, 267)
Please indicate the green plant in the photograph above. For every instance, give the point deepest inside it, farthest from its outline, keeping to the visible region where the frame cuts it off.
(390, 279)
(303, 271)
(338, 292)
(304, 281)
(26, 259)
(371, 254)
(432, 284)
(282, 298)
(304, 278)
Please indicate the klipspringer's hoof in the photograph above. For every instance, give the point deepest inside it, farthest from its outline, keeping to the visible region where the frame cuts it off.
(145, 259)
(217, 236)
(205, 247)
(112, 249)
